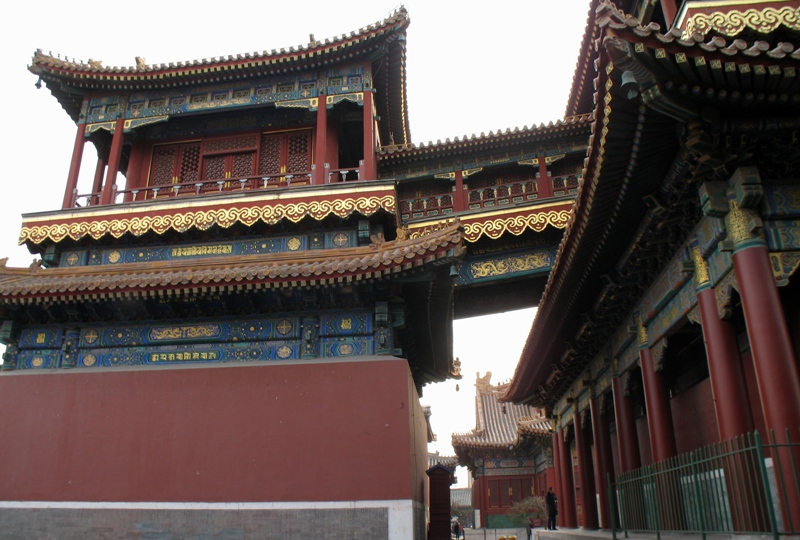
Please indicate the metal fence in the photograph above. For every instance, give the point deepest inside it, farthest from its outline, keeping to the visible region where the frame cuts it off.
(740, 486)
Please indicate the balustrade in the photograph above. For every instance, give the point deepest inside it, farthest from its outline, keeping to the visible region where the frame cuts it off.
(432, 205)
(514, 192)
(205, 187)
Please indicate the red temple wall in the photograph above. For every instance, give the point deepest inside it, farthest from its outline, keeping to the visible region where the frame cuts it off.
(293, 432)
(694, 417)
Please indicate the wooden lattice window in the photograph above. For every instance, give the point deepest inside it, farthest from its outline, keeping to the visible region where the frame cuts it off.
(288, 152)
(231, 157)
(175, 163)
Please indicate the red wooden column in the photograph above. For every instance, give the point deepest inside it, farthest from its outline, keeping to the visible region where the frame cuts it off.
(726, 373)
(97, 185)
(567, 501)
(603, 459)
(460, 195)
(113, 161)
(773, 356)
(627, 440)
(557, 487)
(545, 183)
(321, 141)
(656, 395)
(369, 170)
(583, 443)
(74, 167)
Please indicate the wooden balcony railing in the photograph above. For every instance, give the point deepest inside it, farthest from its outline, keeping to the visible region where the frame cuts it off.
(566, 185)
(515, 192)
(434, 205)
(208, 187)
(485, 197)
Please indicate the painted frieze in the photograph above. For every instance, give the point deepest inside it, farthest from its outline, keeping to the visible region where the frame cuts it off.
(274, 338)
(267, 245)
(508, 264)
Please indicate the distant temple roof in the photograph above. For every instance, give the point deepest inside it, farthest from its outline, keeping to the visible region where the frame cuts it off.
(436, 459)
(461, 497)
(69, 79)
(499, 425)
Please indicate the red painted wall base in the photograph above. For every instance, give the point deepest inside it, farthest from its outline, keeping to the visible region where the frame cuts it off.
(306, 431)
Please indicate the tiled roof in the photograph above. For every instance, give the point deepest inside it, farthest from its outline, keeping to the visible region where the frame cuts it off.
(498, 424)
(448, 461)
(70, 79)
(292, 269)
(254, 64)
(580, 95)
(474, 142)
(461, 497)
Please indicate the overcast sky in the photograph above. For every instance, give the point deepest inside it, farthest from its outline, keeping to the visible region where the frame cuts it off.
(472, 67)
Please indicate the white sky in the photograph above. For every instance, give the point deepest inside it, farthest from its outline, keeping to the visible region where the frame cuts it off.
(472, 67)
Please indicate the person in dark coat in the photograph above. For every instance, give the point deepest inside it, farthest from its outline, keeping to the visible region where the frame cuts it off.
(551, 502)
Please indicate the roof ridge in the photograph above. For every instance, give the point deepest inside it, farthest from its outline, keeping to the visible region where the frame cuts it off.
(400, 13)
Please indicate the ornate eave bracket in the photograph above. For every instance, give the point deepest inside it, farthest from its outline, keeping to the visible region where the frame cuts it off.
(784, 265)
(623, 57)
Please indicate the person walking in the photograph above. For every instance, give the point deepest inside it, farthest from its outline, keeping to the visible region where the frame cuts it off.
(551, 502)
(457, 529)
(529, 528)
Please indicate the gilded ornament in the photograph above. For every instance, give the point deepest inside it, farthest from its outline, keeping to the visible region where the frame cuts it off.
(89, 360)
(509, 265)
(641, 334)
(90, 337)
(346, 349)
(733, 22)
(37, 361)
(701, 275)
(341, 240)
(284, 326)
(294, 244)
(737, 223)
(516, 225)
(284, 352)
(185, 332)
(114, 257)
(183, 219)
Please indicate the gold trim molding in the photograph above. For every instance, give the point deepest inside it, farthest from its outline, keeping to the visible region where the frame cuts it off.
(516, 225)
(270, 213)
(733, 22)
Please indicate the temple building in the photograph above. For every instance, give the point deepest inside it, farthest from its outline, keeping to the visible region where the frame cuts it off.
(669, 322)
(260, 279)
(508, 454)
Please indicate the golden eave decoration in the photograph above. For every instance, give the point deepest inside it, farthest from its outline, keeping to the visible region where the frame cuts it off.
(174, 214)
(733, 22)
(516, 221)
